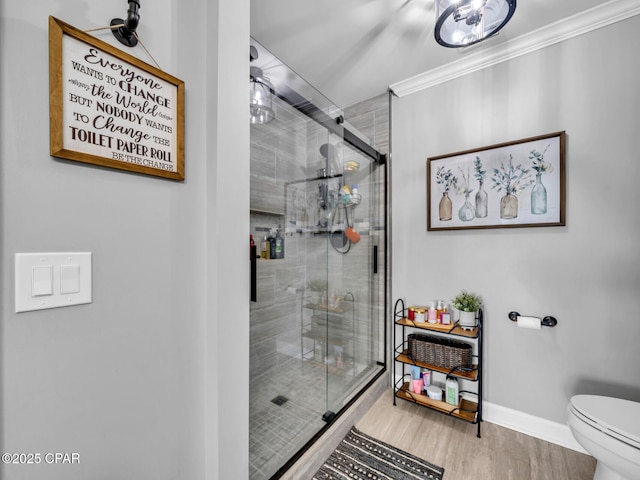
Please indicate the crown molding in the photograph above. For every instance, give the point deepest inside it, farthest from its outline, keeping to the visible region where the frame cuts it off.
(576, 25)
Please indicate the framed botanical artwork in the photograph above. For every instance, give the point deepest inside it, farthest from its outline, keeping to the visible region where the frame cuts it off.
(514, 184)
(111, 109)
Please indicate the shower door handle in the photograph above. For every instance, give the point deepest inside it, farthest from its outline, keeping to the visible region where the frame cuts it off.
(375, 259)
(253, 293)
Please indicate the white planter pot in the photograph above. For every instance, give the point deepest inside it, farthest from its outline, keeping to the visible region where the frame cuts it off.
(316, 297)
(468, 320)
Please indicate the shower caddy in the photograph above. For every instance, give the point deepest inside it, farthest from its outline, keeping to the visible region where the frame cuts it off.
(329, 326)
(466, 410)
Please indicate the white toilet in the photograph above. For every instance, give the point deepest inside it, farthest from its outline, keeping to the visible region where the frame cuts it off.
(609, 430)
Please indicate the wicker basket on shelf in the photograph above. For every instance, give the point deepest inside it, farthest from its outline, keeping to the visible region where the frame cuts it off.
(438, 351)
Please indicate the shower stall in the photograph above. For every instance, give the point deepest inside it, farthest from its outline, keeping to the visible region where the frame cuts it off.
(318, 214)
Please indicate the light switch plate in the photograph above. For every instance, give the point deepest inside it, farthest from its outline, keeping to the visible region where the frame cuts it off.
(71, 282)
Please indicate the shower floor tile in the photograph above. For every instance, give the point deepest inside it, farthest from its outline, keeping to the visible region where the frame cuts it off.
(277, 432)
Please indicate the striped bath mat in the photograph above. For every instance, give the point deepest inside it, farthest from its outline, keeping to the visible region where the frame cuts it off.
(360, 456)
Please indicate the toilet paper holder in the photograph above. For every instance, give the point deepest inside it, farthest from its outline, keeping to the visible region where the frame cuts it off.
(545, 322)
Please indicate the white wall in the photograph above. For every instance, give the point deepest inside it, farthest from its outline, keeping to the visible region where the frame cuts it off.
(586, 274)
(139, 382)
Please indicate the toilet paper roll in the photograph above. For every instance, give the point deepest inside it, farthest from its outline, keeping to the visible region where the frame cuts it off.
(529, 322)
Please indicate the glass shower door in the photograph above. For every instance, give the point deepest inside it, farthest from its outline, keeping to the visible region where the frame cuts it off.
(355, 333)
(317, 320)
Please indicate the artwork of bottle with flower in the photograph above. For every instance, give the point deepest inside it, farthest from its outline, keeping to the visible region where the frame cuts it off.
(482, 197)
(513, 180)
(539, 191)
(445, 178)
(467, 212)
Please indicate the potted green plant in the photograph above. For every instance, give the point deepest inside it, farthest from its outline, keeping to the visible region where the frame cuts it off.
(318, 286)
(467, 304)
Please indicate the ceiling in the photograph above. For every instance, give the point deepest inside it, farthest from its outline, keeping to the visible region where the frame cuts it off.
(352, 50)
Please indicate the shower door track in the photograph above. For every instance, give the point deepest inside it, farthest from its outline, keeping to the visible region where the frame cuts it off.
(334, 125)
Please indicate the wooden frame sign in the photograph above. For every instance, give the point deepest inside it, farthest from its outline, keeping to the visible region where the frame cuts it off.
(111, 109)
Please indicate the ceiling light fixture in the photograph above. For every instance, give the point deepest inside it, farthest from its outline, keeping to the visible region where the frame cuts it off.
(260, 88)
(460, 23)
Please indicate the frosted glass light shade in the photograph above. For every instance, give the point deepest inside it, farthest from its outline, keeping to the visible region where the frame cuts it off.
(260, 101)
(460, 23)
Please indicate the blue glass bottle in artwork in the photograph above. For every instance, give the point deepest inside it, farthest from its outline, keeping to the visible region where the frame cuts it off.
(538, 197)
(481, 202)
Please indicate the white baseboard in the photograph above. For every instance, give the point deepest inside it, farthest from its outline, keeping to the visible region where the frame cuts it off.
(541, 428)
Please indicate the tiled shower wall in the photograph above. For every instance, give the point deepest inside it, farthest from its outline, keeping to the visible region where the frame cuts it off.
(371, 118)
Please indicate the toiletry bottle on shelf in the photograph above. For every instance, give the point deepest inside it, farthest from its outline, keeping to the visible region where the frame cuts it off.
(439, 312)
(452, 391)
(432, 315)
(279, 245)
(338, 351)
(426, 378)
(264, 248)
(252, 244)
(445, 316)
(272, 244)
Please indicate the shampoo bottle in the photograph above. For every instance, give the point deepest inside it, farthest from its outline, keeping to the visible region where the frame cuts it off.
(279, 245)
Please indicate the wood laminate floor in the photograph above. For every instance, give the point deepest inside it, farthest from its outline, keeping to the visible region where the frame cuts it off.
(501, 454)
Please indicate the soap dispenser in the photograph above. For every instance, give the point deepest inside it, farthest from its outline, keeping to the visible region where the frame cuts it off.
(271, 240)
(264, 248)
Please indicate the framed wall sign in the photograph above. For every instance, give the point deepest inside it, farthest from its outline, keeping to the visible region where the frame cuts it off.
(111, 109)
(514, 184)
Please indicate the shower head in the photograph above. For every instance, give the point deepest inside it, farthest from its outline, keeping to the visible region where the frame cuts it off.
(331, 154)
(328, 151)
